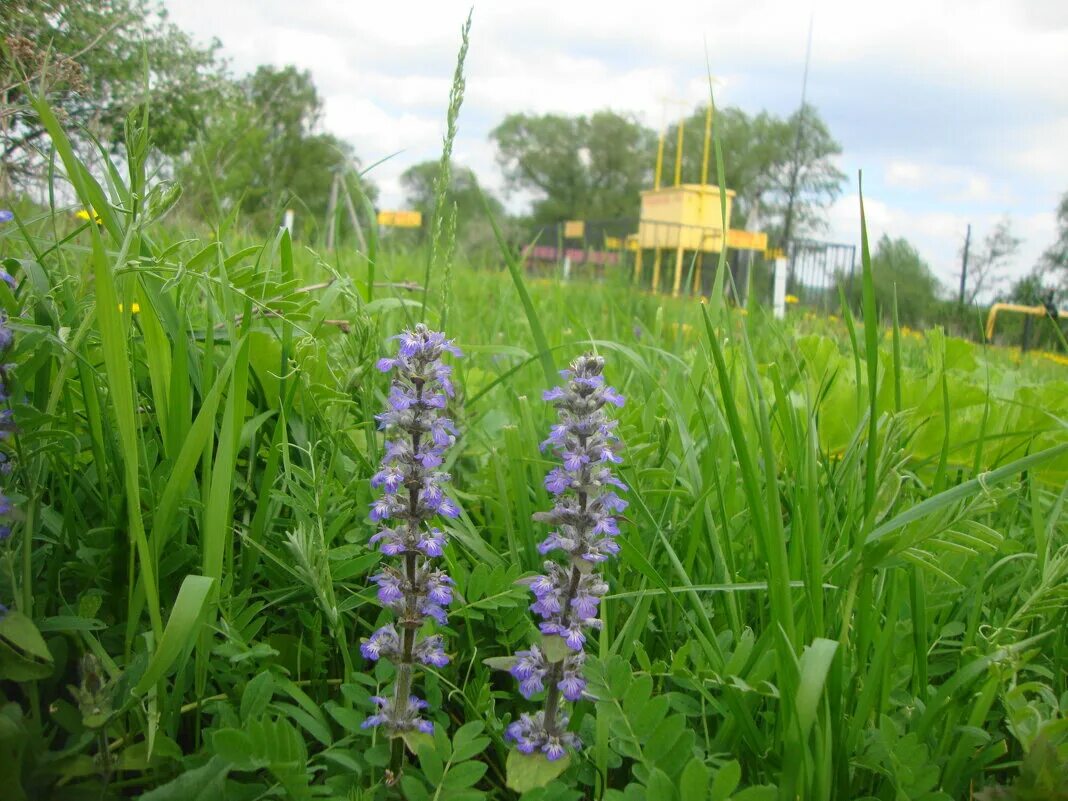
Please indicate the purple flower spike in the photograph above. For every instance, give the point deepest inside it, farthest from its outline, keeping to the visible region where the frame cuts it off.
(413, 493)
(567, 597)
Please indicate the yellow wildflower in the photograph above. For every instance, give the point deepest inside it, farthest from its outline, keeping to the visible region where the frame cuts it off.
(84, 214)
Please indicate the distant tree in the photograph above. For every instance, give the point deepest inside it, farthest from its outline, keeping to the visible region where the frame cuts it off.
(1028, 290)
(751, 147)
(898, 267)
(790, 179)
(464, 191)
(986, 267)
(95, 62)
(1055, 258)
(576, 167)
(473, 229)
(808, 181)
(262, 151)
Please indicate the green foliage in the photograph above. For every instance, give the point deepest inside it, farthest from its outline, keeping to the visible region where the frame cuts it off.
(473, 230)
(766, 162)
(93, 60)
(899, 271)
(584, 167)
(1055, 257)
(261, 151)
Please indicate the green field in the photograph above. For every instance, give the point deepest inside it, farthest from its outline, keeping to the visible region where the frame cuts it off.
(842, 571)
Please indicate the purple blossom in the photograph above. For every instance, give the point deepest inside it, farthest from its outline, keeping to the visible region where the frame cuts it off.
(399, 720)
(384, 642)
(557, 480)
(530, 735)
(389, 587)
(431, 651)
(413, 494)
(431, 543)
(572, 684)
(530, 668)
(567, 597)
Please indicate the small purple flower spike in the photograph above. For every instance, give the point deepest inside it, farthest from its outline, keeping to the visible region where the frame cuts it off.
(584, 521)
(413, 493)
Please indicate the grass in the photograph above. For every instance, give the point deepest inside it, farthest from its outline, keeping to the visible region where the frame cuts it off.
(842, 574)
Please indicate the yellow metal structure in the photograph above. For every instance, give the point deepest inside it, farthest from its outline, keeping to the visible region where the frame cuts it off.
(659, 159)
(687, 216)
(400, 219)
(747, 240)
(689, 219)
(678, 151)
(708, 142)
(1034, 311)
(574, 229)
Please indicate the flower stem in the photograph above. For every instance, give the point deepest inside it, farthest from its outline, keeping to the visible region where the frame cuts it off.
(556, 672)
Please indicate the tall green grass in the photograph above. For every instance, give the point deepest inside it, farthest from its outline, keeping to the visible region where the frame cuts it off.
(842, 573)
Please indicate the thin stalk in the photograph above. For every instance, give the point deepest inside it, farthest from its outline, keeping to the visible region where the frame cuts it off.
(556, 672)
(403, 687)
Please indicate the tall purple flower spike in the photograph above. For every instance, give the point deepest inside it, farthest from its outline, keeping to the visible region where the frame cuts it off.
(418, 433)
(567, 596)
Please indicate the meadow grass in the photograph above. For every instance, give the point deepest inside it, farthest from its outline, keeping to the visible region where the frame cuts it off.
(842, 575)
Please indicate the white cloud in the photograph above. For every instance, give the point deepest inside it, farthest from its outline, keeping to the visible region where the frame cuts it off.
(943, 182)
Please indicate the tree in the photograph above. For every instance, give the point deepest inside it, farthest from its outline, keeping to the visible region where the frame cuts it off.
(464, 191)
(898, 268)
(96, 62)
(577, 167)
(261, 152)
(986, 267)
(751, 147)
(808, 181)
(790, 179)
(473, 229)
(1055, 258)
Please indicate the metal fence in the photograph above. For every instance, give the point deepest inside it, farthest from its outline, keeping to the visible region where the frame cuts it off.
(817, 269)
(598, 250)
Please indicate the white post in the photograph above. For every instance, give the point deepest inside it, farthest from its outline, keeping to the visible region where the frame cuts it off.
(567, 267)
(779, 294)
(288, 221)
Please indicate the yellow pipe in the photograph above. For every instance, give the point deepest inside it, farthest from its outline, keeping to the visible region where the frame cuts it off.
(1034, 311)
(697, 273)
(678, 152)
(659, 158)
(638, 266)
(678, 271)
(656, 269)
(708, 143)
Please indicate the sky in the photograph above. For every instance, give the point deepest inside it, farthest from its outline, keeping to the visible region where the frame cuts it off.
(955, 112)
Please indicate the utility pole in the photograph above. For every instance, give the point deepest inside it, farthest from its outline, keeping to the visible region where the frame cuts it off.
(964, 264)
